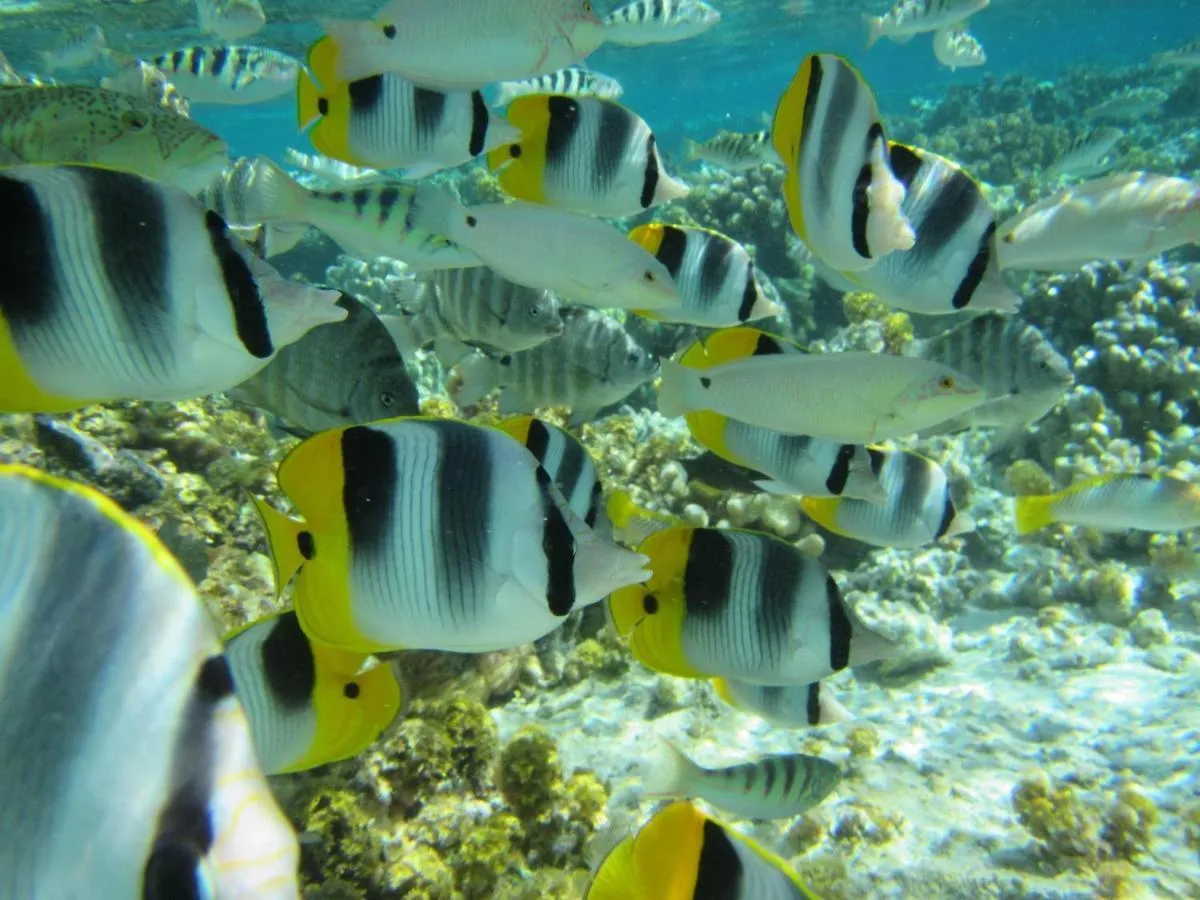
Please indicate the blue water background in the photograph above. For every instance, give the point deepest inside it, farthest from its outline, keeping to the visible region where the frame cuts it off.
(733, 75)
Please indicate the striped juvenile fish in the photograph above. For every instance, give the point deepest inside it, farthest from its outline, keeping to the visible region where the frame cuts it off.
(843, 200)
(956, 48)
(235, 75)
(734, 151)
(122, 288)
(917, 508)
(230, 20)
(786, 706)
(147, 82)
(954, 263)
(775, 787)
(126, 763)
(387, 121)
(1125, 501)
(722, 603)
(375, 220)
(569, 82)
(583, 154)
(1021, 373)
(717, 280)
(593, 365)
(1089, 154)
(644, 22)
(462, 308)
(912, 17)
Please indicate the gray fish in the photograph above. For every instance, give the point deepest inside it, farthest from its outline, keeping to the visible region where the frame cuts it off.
(1131, 104)
(461, 308)
(593, 365)
(1088, 154)
(774, 787)
(734, 151)
(1185, 57)
(348, 373)
(1019, 370)
(570, 82)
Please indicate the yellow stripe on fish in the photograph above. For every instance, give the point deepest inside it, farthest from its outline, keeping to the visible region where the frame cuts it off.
(842, 198)
(583, 154)
(307, 704)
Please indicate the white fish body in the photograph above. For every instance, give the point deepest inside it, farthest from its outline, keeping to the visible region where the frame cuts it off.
(956, 48)
(645, 22)
(580, 258)
(466, 44)
(1125, 216)
(1089, 155)
(786, 706)
(569, 82)
(78, 51)
(853, 398)
(230, 20)
(912, 17)
(233, 75)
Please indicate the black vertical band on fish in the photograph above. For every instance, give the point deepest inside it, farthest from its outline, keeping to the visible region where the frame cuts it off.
(365, 95)
(27, 257)
(565, 120)
(947, 515)
(288, 664)
(812, 705)
(749, 296)
(841, 629)
(429, 108)
(480, 116)
(671, 249)
(220, 58)
(369, 488)
(719, 869)
(976, 270)
(197, 61)
(246, 300)
(905, 163)
(780, 574)
(466, 482)
(558, 546)
(652, 175)
(790, 770)
(714, 266)
(614, 131)
(835, 482)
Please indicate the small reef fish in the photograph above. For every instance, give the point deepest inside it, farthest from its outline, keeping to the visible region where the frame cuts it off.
(568, 464)
(851, 397)
(227, 197)
(78, 50)
(1185, 57)
(1121, 502)
(1130, 105)
(466, 44)
(569, 82)
(740, 604)
(645, 22)
(1019, 370)
(733, 150)
(917, 509)
(307, 704)
(122, 288)
(956, 48)
(168, 786)
(386, 121)
(1127, 215)
(230, 20)
(774, 787)
(683, 854)
(333, 172)
(80, 124)
(953, 264)
(344, 373)
(793, 464)
(236, 75)
(593, 365)
(843, 200)
(1089, 155)
(580, 258)
(583, 154)
(785, 706)
(433, 534)
(368, 221)
(912, 17)
(458, 309)
(145, 81)
(716, 277)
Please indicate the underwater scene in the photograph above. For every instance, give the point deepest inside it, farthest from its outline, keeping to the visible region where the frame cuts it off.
(589, 450)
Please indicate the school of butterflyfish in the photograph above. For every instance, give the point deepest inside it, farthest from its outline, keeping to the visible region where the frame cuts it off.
(134, 259)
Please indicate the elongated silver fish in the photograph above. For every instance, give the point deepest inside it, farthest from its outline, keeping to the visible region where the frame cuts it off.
(593, 365)
(775, 787)
(570, 82)
(233, 75)
(1130, 105)
(733, 150)
(1019, 370)
(912, 17)
(644, 22)
(1089, 155)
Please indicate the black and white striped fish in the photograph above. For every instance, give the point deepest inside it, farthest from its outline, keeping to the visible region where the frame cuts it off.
(594, 364)
(229, 75)
(583, 154)
(954, 263)
(717, 279)
(645, 22)
(434, 534)
(775, 787)
(787, 705)
(569, 82)
(124, 288)
(126, 762)
(917, 509)
(722, 603)
(733, 150)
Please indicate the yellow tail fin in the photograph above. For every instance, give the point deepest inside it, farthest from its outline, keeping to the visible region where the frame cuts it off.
(283, 537)
(1033, 513)
(308, 101)
(520, 167)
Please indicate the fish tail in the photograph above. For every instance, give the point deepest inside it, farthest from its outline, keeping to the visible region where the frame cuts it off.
(673, 389)
(410, 332)
(874, 25)
(631, 523)
(505, 94)
(474, 378)
(283, 539)
(308, 101)
(671, 773)
(273, 195)
(602, 566)
(436, 210)
(691, 149)
(1033, 513)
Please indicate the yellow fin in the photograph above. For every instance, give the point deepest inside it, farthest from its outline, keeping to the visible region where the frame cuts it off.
(708, 428)
(283, 537)
(18, 391)
(787, 136)
(517, 427)
(666, 852)
(631, 523)
(1034, 513)
(649, 237)
(823, 511)
(520, 167)
(322, 61)
(721, 686)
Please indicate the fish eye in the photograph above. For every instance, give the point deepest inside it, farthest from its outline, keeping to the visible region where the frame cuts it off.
(632, 357)
(650, 604)
(351, 690)
(389, 31)
(387, 399)
(133, 122)
(946, 382)
(587, 6)
(648, 276)
(534, 312)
